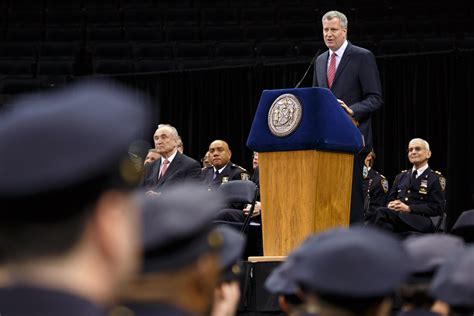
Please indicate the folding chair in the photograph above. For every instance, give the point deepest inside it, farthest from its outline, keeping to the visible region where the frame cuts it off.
(241, 191)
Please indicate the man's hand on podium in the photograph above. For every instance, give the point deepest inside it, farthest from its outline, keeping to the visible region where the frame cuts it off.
(349, 111)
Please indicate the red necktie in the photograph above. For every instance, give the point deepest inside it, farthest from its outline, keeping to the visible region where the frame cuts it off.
(331, 69)
(163, 168)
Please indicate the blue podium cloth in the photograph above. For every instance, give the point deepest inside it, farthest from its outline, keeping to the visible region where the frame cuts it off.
(324, 124)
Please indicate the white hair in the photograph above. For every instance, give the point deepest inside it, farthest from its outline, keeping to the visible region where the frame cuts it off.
(173, 129)
(424, 142)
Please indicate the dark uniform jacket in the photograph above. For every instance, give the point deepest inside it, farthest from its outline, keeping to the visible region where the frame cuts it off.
(375, 188)
(231, 172)
(155, 309)
(425, 195)
(181, 169)
(35, 301)
(417, 312)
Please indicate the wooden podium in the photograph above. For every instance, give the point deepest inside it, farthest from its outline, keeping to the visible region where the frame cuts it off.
(305, 176)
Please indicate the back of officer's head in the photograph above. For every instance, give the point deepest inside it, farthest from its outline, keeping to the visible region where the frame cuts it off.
(352, 270)
(180, 250)
(454, 283)
(428, 252)
(64, 158)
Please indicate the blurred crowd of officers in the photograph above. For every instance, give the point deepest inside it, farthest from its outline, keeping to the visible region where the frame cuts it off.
(78, 238)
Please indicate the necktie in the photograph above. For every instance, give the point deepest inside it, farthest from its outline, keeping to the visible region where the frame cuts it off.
(163, 168)
(331, 69)
(413, 174)
(216, 174)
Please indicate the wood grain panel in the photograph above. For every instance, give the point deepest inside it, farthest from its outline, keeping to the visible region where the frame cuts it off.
(302, 192)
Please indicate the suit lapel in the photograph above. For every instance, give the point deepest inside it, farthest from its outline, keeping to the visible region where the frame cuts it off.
(342, 64)
(322, 72)
(155, 172)
(173, 167)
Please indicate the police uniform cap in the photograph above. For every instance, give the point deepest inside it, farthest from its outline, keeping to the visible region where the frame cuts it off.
(428, 252)
(360, 262)
(464, 226)
(280, 281)
(454, 281)
(61, 148)
(177, 227)
(230, 253)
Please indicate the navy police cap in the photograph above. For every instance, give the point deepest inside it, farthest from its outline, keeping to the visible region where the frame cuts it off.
(56, 142)
(230, 254)
(428, 252)
(359, 262)
(178, 228)
(454, 281)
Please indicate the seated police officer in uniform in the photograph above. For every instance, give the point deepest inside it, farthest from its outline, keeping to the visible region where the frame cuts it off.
(180, 269)
(350, 272)
(374, 186)
(222, 169)
(280, 283)
(454, 283)
(69, 220)
(416, 194)
(428, 253)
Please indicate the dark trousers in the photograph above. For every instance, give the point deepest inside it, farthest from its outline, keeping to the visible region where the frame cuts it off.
(357, 197)
(402, 223)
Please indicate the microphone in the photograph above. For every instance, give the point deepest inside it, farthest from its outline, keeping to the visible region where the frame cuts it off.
(307, 69)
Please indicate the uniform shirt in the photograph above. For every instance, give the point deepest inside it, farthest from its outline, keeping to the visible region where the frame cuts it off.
(425, 195)
(229, 173)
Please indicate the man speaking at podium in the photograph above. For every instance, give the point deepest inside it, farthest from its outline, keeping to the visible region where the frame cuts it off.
(351, 73)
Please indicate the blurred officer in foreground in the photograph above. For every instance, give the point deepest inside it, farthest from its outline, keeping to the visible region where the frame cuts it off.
(227, 293)
(69, 221)
(279, 281)
(181, 255)
(428, 253)
(351, 272)
(416, 194)
(374, 186)
(464, 226)
(454, 283)
(222, 169)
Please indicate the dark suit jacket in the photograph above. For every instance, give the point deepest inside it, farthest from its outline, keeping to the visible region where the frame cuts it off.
(357, 83)
(181, 169)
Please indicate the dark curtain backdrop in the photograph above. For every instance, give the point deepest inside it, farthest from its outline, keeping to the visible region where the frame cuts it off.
(428, 95)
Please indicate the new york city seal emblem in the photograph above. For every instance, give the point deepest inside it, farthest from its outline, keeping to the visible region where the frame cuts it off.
(284, 115)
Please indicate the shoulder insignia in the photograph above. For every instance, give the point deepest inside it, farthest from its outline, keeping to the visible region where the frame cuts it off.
(442, 182)
(384, 184)
(439, 174)
(244, 176)
(237, 166)
(403, 171)
(382, 176)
